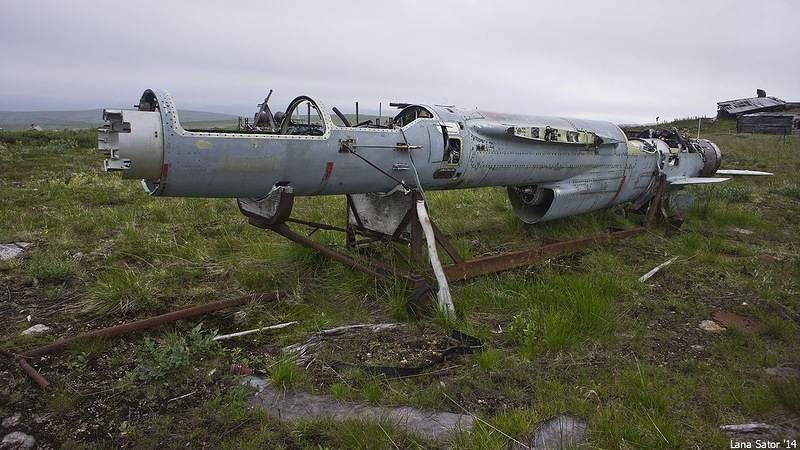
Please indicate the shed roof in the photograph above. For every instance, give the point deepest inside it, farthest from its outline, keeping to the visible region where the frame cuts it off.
(749, 105)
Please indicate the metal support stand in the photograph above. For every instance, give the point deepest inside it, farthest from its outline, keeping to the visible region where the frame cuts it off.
(367, 221)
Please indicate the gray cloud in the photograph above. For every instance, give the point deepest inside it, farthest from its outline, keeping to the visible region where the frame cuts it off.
(620, 60)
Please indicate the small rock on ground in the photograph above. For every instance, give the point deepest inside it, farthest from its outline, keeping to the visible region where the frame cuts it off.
(710, 325)
(564, 431)
(293, 405)
(11, 422)
(11, 251)
(17, 439)
(783, 372)
(38, 328)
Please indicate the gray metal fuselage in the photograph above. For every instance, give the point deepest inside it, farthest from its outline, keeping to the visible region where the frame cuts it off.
(553, 166)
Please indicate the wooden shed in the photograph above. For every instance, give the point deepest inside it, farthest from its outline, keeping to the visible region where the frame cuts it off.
(769, 123)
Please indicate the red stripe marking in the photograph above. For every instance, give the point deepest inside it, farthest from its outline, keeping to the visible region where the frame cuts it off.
(619, 189)
(328, 171)
(164, 171)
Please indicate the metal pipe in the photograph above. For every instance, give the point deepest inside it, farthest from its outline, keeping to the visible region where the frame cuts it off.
(35, 376)
(151, 322)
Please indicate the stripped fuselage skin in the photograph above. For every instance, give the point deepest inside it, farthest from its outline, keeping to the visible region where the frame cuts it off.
(553, 167)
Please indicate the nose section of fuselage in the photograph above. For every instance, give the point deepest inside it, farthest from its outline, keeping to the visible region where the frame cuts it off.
(133, 143)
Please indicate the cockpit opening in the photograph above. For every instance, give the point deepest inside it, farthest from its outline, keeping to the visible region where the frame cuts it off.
(411, 113)
(303, 116)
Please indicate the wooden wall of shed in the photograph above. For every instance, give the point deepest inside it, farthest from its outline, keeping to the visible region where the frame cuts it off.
(783, 124)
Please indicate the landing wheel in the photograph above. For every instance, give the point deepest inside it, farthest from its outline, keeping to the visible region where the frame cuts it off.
(421, 301)
(673, 225)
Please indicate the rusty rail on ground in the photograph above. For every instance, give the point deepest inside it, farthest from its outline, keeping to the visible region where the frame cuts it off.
(128, 328)
(510, 260)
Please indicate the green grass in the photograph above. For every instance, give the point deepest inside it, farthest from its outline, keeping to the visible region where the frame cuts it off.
(787, 391)
(285, 373)
(576, 334)
(172, 354)
(49, 268)
(565, 312)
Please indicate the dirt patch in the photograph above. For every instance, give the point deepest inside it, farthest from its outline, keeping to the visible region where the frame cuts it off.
(369, 347)
(728, 319)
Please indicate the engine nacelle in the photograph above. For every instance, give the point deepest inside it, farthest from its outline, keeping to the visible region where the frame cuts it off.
(534, 204)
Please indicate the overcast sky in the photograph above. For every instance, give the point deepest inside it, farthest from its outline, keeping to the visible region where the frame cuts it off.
(620, 60)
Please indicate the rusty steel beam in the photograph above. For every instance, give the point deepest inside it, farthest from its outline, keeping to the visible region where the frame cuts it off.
(287, 232)
(442, 240)
(510, 260)
(35, 376)
(149, 323)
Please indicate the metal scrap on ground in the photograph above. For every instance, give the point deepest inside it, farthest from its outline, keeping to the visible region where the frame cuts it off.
(647, 276)
(255, 330)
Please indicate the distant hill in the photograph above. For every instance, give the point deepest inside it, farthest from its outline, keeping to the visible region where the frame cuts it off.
(16, 120)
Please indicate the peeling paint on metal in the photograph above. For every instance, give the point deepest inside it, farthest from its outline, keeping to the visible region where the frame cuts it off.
(251, 164)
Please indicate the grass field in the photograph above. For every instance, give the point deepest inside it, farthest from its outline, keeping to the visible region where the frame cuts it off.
(577, 334)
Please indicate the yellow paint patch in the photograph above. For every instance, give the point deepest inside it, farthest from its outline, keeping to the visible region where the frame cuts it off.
(249, 164)
(203, 144)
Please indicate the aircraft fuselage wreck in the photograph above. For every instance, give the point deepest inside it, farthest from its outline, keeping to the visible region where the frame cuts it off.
(552, 167)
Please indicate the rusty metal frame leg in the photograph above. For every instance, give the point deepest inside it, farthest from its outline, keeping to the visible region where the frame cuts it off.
(350, 235)
(278, 211)
(416, 235)
(287, 232)
(445, 243)
(655, 203)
